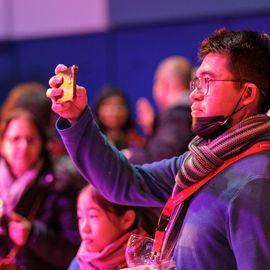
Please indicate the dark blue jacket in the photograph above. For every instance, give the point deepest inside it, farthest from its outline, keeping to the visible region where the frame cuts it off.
(227, 223)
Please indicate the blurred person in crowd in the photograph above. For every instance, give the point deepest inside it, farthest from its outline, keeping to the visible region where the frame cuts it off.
(38, 216)
(31, 96)
(113, 114)
(169, 131)
(105, 228)
(225, 223)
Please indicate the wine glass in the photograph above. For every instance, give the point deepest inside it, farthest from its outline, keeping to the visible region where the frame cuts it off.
(138, 250)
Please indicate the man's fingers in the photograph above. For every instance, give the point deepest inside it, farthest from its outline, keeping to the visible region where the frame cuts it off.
(60, 68)
(54, 93)
(80, 91)
(55, 81)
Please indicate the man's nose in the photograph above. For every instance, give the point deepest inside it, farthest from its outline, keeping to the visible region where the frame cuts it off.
(196, 95)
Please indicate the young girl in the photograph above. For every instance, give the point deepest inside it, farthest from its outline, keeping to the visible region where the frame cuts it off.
(105, 228)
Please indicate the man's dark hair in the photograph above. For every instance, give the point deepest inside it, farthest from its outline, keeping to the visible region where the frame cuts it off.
(249, 53)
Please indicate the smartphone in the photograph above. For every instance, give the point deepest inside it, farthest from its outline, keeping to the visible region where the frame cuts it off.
(69, 83)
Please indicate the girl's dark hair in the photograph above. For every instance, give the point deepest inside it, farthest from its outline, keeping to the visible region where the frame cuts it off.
(145, 217)
(24, 114)
(107, 92)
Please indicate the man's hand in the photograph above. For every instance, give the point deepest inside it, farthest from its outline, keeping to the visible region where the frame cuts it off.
(71, 110)
(19, 229)
(145, 115)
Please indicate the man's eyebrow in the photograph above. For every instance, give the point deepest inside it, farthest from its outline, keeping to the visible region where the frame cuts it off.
(90, 208)
(205, 73)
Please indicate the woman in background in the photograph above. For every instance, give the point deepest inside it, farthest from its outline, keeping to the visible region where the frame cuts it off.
(105, 228)
(113, 115)
(38, 216)
(31, 96)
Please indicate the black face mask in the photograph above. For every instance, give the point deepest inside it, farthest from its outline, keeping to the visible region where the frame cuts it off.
(210, 127)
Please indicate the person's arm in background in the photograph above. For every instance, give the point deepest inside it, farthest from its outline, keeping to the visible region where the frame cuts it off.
(145, 116)
(58, 242)
(53, 235)
(170, 137)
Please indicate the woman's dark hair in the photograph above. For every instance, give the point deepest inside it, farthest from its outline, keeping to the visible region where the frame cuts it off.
(145, 217)
(30, 96)
(249, 56)
(25, 114)
(107, 92)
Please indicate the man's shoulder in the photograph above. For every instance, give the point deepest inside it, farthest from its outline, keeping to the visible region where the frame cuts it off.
(241, 172)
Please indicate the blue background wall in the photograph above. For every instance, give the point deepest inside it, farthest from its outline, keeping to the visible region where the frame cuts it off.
(125, 55)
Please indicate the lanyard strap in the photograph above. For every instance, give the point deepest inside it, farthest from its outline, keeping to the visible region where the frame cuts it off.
(187, 192)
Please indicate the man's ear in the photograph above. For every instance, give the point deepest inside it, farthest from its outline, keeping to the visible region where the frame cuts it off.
(128, 219)
(251, 93)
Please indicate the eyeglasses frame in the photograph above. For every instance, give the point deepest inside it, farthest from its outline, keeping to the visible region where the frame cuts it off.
(194, 84)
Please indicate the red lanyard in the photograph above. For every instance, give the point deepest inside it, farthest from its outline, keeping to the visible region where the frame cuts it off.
(187, 192)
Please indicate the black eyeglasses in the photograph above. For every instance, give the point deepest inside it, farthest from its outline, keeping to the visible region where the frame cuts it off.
(202, 84)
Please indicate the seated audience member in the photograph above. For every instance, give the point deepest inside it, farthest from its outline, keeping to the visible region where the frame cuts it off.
(168, 132)
(105, 228)
(38, 219)
(113, 115)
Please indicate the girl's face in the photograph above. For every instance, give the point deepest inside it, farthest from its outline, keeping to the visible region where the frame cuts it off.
(113, 112)
(21, 145)
(97, 227)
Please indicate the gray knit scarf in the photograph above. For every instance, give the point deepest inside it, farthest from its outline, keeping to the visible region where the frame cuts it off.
(206, 156)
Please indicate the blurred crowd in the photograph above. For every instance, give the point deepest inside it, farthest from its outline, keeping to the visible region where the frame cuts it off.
(39, 185)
